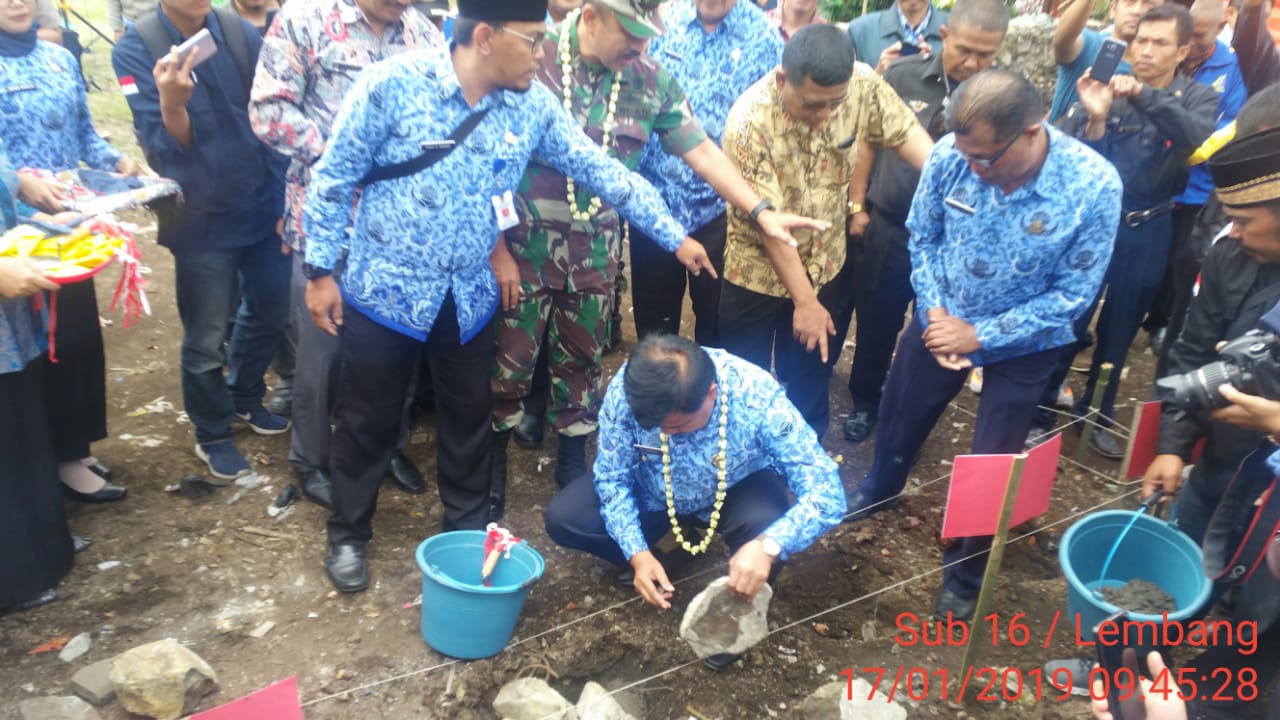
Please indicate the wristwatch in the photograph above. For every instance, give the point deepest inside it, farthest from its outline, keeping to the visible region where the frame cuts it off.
(855, 208)
(770, 546)
(759, 208)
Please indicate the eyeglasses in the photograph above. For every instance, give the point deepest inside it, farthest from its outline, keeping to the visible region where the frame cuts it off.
(988, 161)
(535, 41)
(821, 104)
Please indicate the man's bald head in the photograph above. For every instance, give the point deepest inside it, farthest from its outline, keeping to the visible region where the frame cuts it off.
(1207, 19)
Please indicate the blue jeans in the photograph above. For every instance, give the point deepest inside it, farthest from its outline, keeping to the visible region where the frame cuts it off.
(208, 283)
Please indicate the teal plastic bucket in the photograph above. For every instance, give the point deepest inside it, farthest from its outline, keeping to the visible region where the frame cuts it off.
(1152, 551)
(461, 617)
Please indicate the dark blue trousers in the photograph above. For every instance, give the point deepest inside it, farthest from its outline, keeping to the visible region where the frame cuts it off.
(881, 293)
(751, 505)
(915, 396)
(1132, 283)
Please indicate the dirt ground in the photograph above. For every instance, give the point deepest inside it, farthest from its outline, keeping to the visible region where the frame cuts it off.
(207, 572)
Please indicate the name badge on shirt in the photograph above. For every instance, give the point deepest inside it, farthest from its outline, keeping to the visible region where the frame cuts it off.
(504, 207)
(20, 88)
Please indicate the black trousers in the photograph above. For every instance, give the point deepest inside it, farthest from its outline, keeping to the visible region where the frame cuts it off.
(751, 505)
(375, 375)
(76, 385)
(757, 327)
(1132, 281)
(881, 294)
(915, 397)
(658, 281)
(1182, 258)
(33, 526)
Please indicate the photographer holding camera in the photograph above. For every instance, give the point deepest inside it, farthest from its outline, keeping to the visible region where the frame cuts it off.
(1240, 281)
(1233, 398)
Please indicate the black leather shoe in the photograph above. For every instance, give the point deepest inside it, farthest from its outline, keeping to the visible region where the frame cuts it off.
(110, 492)
(861, 507)
(101, 471)
(1105, 443)
(498, 474)
(720, 661)
(528, 433)
(316, 488)
(346, 568)
(406, 475)
(949, 602)
(571, 459)
(858, 426)
(625, 579)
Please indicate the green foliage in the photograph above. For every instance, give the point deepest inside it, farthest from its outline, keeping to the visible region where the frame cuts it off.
(846, 10)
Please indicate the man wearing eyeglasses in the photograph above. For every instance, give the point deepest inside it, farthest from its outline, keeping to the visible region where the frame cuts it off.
(1146, 124)
(793, 136)
(1011, 230)
(568, 245)
(882, 274)
(418, 282)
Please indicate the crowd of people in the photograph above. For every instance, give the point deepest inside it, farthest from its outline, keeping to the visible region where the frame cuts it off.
(387, 204)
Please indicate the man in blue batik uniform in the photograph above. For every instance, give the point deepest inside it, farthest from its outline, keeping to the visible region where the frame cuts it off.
(704, 417)
(715, 49)
(1011, 231)
(418, 275)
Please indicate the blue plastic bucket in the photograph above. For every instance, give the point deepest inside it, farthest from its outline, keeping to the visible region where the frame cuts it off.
(1151, 551)
(461, 617)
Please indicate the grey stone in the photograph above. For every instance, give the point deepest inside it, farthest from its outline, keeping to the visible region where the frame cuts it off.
(719, 621)
(162, 680)
(531, 699)
(832, 702)
(595, 703)
(93, 683)
(76, 647)
(1028, 48)
(57, 708)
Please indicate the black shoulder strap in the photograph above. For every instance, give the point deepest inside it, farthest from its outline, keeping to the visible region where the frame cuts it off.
(237, 43)
(158, 42)
(429, 157)
(153, 34)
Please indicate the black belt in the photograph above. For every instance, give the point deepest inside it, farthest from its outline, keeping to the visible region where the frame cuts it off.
(1134, 218)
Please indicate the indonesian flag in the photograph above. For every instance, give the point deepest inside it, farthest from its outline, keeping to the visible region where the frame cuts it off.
(128, 86)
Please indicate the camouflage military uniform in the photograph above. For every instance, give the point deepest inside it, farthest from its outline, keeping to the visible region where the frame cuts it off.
(567, 267)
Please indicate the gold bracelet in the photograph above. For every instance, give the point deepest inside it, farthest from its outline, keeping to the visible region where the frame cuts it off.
(855, 208)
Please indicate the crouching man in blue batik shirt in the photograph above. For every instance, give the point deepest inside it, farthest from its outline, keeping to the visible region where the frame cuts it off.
(423, 252)
(1011, 231)
(695, 438)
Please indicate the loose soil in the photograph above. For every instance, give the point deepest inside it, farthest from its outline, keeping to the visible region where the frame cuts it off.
(1139, 596)
(209, 571)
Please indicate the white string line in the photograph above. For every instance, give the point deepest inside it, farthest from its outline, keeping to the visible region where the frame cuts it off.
(874, 593)
(870, 595)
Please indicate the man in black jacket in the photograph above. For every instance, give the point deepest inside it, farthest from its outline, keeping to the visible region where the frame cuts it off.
(1146, 124)
(1240, 280)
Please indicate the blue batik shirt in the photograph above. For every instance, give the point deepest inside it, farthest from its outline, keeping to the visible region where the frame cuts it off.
(764, 430)
(1020, 267)
(44, 117)
(417, 238)
(912, 35)
(714, 69)
(22, 329)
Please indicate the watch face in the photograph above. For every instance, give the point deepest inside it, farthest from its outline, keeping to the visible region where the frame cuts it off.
(771, 547)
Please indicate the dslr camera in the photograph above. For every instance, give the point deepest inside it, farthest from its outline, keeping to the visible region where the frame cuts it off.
(1249, 363)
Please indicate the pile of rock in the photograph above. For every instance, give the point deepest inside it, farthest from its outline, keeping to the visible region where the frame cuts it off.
(161, 680)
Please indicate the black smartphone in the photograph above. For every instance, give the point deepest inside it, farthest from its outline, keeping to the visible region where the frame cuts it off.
(1121, 669)
(909, 49)
(1109, 57)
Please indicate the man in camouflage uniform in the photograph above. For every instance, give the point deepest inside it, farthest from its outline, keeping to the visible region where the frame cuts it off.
(560, 274)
